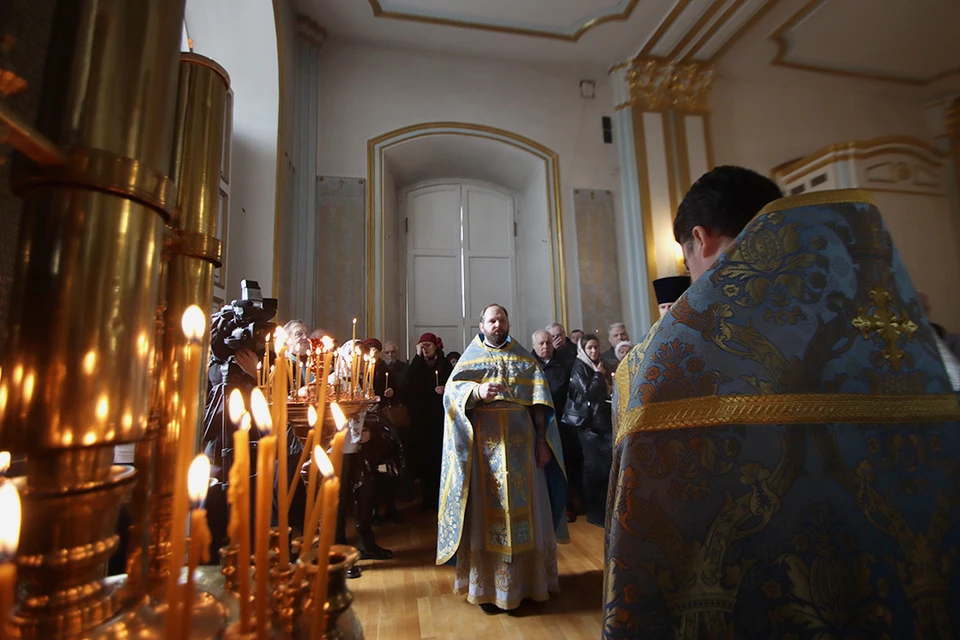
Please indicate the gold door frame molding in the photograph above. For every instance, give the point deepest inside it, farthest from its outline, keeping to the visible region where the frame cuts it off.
(579, 28)
(781, 35)
(374, 204)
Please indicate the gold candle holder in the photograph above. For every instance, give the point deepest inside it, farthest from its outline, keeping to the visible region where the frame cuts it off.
(228, 567)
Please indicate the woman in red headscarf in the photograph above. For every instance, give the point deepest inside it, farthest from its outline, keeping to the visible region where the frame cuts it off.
(426, 377)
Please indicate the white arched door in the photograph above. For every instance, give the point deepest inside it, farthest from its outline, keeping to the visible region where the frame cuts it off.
(460, 258)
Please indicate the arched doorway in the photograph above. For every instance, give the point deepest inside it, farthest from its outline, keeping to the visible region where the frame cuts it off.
(381, 312)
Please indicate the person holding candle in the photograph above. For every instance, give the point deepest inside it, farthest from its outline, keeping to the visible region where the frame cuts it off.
(426, 378)
(502, 509)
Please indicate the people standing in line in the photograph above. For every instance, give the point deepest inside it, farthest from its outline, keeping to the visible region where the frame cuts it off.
(557, 370)
(426, 377)
(588, 411)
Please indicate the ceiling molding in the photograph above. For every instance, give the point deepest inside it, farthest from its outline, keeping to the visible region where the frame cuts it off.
(572, 34)
(782, 36)
(690, 44)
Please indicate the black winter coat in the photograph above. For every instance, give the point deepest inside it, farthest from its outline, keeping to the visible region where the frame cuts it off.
(588, 406)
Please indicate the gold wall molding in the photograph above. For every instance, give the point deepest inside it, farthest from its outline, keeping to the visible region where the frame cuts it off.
(860, 150)
(311, 31)
(374, 204)
(656, 85)
(782, 36)
(582, 26)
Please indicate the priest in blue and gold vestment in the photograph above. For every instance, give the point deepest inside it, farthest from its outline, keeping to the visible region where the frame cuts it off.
(502, 493)
(787, 456)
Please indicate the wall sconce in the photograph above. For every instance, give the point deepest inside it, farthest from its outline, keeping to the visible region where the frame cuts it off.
(681, 265)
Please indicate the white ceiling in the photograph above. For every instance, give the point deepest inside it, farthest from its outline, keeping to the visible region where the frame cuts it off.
(460, 156)
(905, 41)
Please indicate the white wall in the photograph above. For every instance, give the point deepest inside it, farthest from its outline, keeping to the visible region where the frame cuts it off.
(533, 259)
(366, 91)
(761, 125)
(241, 36)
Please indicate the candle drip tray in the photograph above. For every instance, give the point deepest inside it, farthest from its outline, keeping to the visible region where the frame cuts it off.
(211, 611)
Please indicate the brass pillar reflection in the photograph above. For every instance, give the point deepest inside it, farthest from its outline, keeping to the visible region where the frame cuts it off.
(82, 318)
(191, 256)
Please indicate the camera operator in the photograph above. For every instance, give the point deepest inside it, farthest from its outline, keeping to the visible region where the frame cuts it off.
(237, 344)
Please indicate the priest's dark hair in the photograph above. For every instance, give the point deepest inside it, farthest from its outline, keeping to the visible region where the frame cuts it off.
(723, 201)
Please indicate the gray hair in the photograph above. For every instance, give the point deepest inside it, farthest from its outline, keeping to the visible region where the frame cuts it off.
(554, 325)
(533, 338)
(616, 325)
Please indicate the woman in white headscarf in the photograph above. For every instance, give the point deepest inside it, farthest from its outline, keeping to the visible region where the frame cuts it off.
(588, 409)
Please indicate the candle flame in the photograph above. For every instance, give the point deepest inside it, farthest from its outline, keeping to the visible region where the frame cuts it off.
(198, 480)
(236, 407)
(245, 421)
(193, 322)
(327, 342)
(10, 523)
(261, 411)
(90, 362)
(323, 462)
(354, 321)
(280, 337)
(338, 416)
(311, 416)
(4, 462)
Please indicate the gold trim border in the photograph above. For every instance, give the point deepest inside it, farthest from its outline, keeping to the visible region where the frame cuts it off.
(379, 12)
(781, 35)
(375, 208)
(814, 198)
(860, 150)
(814, 408)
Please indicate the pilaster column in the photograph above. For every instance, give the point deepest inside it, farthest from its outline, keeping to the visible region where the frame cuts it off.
(664, 140)
(299, 268)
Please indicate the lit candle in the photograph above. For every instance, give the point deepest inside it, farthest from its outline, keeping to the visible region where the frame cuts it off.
(387, 385)
(354, 329)
(194, 323)
(325, 372)
(314, 501)
(331, 498)
(198, 481)
(239, 494)
(311, 420)
(9, 539)
(4, 462)
(266, 359)
(336, 449)
(266, 453)
(280, 421)
(436, 376)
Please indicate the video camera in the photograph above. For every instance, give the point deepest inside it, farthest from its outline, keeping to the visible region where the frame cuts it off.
(243, 323)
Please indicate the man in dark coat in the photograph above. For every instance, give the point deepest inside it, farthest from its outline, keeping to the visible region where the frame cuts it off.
(556, 368)
(426, 378)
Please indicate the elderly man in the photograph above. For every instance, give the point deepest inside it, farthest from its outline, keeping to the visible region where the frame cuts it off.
(615, 335)
(786, 438)
(390, 382)
(562, 345)
(499, 513)
(557, 369)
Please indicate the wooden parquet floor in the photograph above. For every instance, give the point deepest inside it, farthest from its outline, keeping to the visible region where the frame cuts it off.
(410, 597)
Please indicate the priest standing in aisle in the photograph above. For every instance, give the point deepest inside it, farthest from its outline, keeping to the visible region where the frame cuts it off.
(503, 491)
